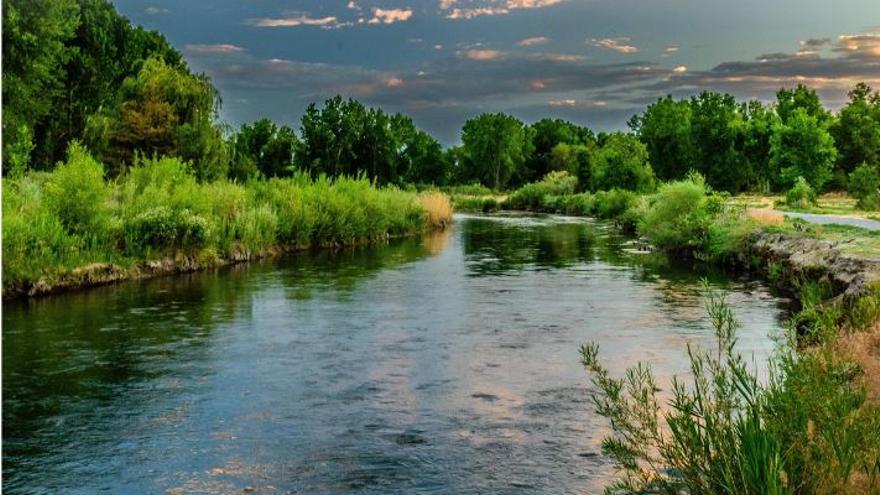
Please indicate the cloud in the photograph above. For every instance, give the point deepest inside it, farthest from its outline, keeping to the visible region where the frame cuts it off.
(671, 49)
(535, 40)
(573, 103)
(492, 7)
(477, 54)
(859, 45)
(302, 20)
(619, 45)
(680, 69)
(815, 42)
(390, 16)
(155, 11)
(214, 49)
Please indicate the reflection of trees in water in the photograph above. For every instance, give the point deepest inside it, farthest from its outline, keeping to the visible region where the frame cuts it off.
(493, 248)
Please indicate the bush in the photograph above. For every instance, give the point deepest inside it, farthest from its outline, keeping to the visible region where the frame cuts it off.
(530, 197)
(864, 185)
(490, 205)
(161, 227)
(679, 215)
(801, 195)
(77, 194)
(614, 203)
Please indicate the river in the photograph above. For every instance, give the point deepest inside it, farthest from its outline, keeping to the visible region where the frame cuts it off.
(442, 364)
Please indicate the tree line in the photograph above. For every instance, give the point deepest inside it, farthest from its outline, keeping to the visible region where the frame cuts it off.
(76, 70)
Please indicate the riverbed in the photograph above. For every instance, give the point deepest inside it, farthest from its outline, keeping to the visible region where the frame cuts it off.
(441, 364)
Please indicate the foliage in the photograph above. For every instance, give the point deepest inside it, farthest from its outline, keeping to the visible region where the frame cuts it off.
(531, 196)
(809, 429)
(494, 146)
(680, 214)
(802, 147)
(614, 203)
(163, 110)
(622, 163)
(801, 194)
(262, 148)
(665, 129)
(55, 222)
(558, 145)
(864, 185)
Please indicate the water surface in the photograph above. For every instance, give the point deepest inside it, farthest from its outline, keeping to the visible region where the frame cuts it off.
(446, 364)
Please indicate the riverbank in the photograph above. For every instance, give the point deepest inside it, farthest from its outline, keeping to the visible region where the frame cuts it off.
(815, 426)
(72, 229)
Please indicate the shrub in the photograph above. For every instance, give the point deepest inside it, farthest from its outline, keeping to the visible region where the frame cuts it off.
(439, 208)
(679, 215)
(163, 227)
(531, 196)
(576, 204)
(490, 205)
(864, 185)
(614, 203)
(77, 194)
(801, 194)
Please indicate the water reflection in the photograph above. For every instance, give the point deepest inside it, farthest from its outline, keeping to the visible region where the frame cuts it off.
(442, 364)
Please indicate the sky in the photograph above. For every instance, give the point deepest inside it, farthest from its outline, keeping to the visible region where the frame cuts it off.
(594, 62)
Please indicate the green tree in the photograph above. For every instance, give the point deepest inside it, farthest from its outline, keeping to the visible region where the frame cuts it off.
(495, 146)
(576, 159)
(715, 131)
(665, 128)
(622, 163)
(758, 123)
(35, 33)
(547, 134)
(856, 131)
(163, 110)
(263, 148)
(329, 136)
(802, 147)
(803, 97)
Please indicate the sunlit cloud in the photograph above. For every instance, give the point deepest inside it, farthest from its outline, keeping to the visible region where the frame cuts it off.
(492, 7)
(390, 16)
(477, 54)
(680, 69)
(535, 40)
(620, 45)
(214, 49)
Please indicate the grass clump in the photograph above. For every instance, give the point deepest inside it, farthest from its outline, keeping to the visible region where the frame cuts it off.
(808, 429)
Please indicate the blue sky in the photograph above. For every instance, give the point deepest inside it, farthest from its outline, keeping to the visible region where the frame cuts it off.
(595, 62)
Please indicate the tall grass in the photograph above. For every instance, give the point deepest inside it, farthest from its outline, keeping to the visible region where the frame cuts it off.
(55, 222)
(808, 429)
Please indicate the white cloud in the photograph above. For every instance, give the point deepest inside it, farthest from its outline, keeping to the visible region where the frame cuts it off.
(535, 40)
(493, 7)
(620, 45)
(214, 49)
(302, 20)
(680, 69)
(155, 10)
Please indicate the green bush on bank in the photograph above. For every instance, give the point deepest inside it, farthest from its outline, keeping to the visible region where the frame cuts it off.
(864, 185)
(801, 195)
(531, 197)
(54, 222)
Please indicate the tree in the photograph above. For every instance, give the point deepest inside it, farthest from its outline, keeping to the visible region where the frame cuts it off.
(665, 129)
(802, 147)
(715, 132)
(622, 163)
(329, 136)
(263, 148)
(856, 131)
(789, 100)
(576, 159)
(163, 110)
(547, 134)
(757, 121)
(35, 34)
(495, 146)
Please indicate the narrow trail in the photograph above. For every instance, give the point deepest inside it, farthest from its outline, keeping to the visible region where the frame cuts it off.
(864, 223)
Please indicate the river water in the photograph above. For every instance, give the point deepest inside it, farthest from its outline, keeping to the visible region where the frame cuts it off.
(444, 364)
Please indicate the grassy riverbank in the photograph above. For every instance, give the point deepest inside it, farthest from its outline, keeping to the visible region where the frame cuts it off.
(814, 425)
(72, 227)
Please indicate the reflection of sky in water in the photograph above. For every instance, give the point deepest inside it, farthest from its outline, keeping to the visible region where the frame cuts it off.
(447, 364)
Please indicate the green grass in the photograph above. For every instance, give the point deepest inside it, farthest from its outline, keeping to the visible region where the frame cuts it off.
(56, 222)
